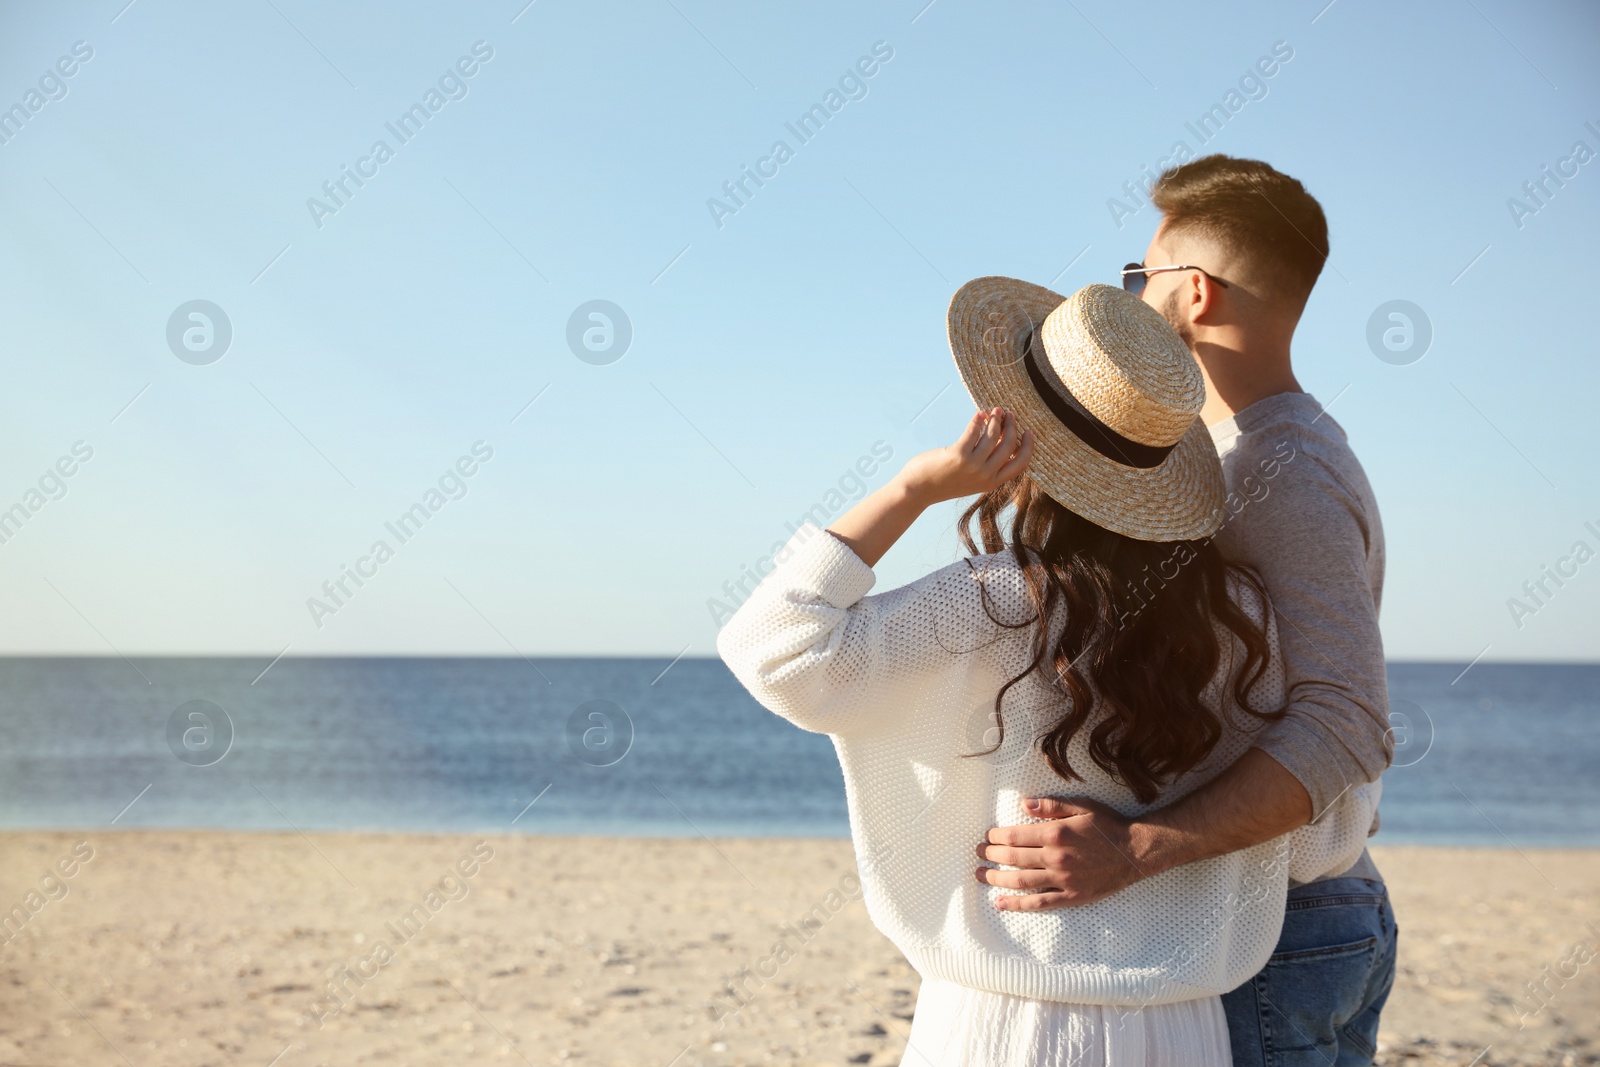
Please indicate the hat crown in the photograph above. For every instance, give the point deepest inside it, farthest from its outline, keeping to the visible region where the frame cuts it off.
(1124, 363)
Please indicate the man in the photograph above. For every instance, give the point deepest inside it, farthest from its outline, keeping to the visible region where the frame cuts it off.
(1235, 255)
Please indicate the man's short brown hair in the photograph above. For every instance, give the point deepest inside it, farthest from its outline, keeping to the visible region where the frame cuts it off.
(1245, 205)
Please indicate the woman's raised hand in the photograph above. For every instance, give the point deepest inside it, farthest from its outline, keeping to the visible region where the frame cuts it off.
(991, 451)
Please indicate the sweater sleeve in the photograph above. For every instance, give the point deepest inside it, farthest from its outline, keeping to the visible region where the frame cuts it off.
(1334, 841)
(813, 648)
(1308, 539)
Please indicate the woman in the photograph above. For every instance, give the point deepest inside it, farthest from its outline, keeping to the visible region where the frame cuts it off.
(1102, 642)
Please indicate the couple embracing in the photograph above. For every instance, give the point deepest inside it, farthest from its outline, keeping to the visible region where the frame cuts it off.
(1111, 776)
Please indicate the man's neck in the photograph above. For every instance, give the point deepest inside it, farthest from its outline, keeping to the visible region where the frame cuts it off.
(1236, 378)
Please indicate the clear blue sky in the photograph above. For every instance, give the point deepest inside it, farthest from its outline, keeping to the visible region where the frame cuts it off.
(770, 352)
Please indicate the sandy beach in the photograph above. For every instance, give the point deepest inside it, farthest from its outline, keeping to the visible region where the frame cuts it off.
(168, 947)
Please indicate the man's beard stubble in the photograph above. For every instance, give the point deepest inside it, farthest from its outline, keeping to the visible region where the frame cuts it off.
(1171, 312)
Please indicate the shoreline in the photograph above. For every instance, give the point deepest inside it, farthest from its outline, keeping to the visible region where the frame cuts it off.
(205, 946)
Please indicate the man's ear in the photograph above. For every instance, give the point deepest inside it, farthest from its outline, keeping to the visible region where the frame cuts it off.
(1205, 298)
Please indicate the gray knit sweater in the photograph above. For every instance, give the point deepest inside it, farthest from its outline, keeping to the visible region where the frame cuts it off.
(1302, 513)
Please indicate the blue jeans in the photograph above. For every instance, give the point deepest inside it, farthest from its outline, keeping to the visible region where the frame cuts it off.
(1316, 1002)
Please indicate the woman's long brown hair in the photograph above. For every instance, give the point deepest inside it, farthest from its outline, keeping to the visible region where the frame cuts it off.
(1136, 641)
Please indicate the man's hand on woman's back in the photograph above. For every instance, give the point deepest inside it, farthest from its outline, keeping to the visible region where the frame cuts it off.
(1086, 851)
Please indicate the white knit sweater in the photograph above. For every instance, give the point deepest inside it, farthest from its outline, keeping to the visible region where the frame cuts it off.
(905, 683)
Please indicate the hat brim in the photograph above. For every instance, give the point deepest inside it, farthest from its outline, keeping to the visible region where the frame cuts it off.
(1179, 499)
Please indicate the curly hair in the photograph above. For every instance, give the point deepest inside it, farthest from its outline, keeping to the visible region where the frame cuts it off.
(1137, 674)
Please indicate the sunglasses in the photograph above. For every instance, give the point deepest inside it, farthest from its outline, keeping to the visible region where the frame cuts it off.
(1135, 276)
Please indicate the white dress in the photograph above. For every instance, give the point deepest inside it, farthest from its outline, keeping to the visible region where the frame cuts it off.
(956, 1026)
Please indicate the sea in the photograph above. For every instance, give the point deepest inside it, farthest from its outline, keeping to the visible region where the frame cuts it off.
(1504, 755)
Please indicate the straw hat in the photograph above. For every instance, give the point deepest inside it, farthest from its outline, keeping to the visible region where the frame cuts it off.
(1111, 394)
